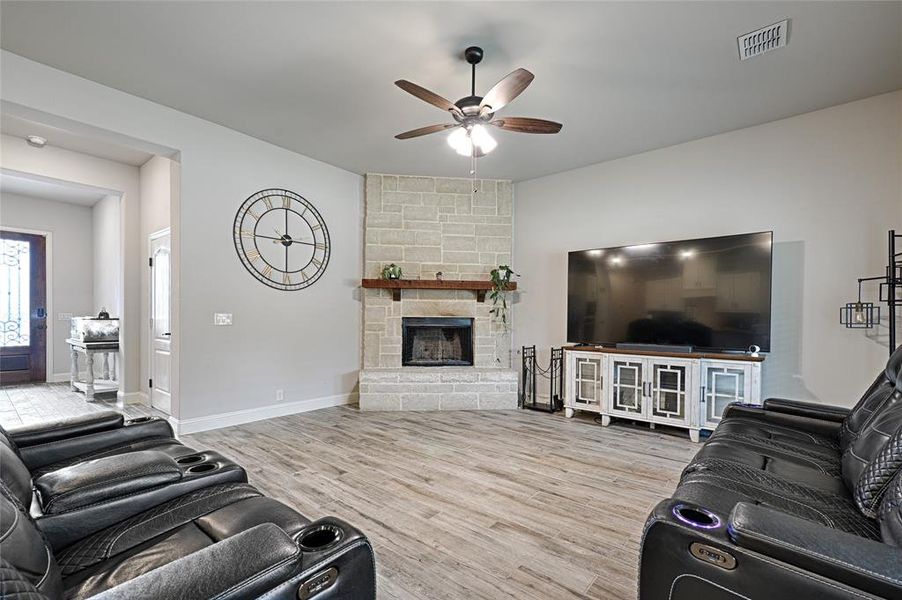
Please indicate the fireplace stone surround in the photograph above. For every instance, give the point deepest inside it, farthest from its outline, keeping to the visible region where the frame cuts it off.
(426, 225)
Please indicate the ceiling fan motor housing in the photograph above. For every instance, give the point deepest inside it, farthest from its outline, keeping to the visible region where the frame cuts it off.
(474, 55)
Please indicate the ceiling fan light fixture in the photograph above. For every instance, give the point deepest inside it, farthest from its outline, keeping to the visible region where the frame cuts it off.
(464, 140)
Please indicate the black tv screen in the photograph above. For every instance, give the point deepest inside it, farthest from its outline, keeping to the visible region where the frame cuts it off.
(711, 294)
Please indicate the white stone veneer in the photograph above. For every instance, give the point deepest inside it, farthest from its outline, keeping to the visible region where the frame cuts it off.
(425, 225)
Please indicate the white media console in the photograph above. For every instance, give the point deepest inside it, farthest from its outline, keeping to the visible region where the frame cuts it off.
(688, 390)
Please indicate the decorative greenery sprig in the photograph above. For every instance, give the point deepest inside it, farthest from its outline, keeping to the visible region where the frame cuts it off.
(501, 277)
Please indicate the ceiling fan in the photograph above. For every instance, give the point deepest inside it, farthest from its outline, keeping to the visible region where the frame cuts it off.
(472, 113)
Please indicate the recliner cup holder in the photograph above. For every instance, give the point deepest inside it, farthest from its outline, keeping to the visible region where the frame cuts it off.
(204, 468)
(320, 537)
(696, 517)
(189, 460)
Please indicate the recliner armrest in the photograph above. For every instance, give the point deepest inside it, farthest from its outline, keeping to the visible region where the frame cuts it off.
(811, 410)
(242, 566)
(825, 427)
(57, 430)
(865, 564)
(61, 449)
(105, 479)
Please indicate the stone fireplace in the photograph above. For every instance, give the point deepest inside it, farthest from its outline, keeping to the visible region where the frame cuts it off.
(435, 349)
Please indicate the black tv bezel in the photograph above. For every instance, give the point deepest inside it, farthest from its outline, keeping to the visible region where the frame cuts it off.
(770, 298)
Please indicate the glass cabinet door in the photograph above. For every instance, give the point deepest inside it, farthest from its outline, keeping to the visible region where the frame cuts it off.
(669, 386)
(588, 392)
(722, 385)
(627, 387)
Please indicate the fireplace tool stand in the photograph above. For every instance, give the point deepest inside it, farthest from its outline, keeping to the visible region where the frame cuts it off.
(529, 373)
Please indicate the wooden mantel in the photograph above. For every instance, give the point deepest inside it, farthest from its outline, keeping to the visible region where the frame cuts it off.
(396, 285)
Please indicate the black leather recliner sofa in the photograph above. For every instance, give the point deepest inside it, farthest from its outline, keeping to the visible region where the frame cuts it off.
(789, 500)
(98, 507)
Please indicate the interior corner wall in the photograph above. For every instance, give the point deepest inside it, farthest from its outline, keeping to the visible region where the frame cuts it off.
(71, 263)
(119, 178)
(827, 183)
(159, 182)
(107, 255)
(305, 343)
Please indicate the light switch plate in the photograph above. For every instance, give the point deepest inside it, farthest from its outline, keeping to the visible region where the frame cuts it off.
(64, 316)
(222, 318)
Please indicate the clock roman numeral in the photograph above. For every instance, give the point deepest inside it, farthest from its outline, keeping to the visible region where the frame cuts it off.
(267, 271)
(320, 246)
(304, 275)
(316, 262)
(247, 233)
(286, 279)
(316, 227)
(252, 255)
(268, 202)
(286, 202)
(253, 214)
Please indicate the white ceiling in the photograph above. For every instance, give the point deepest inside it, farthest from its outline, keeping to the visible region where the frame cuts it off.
(21, 184)
(69, 140)
(317, 77)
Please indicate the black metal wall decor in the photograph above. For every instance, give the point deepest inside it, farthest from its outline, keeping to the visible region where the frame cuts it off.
(530, 371)
(866, 315)
(281, 239)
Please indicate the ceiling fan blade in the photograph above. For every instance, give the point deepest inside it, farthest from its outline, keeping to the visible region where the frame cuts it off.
(527, 125)
(424, 131)
(430, 97)
(507, 89)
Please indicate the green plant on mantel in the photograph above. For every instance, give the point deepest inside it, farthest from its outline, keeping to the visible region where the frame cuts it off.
(501, 278)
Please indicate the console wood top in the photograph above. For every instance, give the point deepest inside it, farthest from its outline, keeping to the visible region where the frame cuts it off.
(707, 355)
(396, 285)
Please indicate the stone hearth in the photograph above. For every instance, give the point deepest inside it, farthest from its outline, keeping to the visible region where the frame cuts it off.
(426, 225)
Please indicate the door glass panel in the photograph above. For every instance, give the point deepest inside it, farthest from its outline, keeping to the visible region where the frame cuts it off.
(161, 292)
(723, 386)
(669, 392)
(627, 387)
(588, 380)
(15, 303)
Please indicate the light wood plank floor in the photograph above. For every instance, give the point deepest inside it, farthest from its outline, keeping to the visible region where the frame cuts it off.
(462, 505)
(37, 402)
(512, 504)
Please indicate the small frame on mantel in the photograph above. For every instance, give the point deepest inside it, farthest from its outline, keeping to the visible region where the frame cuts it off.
(396, 285)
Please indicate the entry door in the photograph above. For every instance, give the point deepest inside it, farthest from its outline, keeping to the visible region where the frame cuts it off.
(23, 312)
(160, 322)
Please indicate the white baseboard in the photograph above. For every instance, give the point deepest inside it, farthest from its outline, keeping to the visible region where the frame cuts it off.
(58, 378)
(132, 397)
(239, 417)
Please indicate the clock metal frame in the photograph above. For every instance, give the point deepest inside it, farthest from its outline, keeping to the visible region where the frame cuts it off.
(246, 240)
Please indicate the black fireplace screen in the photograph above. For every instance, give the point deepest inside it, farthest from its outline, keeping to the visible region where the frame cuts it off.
(436, 341)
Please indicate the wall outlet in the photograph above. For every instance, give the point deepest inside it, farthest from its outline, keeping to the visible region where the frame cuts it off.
(280, 395)
(222, 319)
(64, 316)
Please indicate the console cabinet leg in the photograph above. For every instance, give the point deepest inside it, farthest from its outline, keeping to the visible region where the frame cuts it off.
(605, 420)
(693, 435)
(568, 412)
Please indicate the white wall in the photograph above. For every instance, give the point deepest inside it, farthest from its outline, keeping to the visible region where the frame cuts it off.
(829, 185)
(107, 255)
(306, 343)
(70, 226)
(118, 178)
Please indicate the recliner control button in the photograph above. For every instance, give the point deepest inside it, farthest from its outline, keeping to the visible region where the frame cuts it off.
(317, 583)
(713, 555)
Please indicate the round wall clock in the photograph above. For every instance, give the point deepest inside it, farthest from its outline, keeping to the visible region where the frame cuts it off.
(282, 239)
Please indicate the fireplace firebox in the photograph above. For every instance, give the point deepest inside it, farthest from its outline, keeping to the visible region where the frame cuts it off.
(436, 341)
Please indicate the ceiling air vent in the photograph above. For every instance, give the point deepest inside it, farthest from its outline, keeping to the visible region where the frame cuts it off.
(763, 40)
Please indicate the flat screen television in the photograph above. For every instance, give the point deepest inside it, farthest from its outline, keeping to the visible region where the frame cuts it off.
(711, 293)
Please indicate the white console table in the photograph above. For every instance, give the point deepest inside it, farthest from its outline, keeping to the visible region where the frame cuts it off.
(687, 390)
(108, 381)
